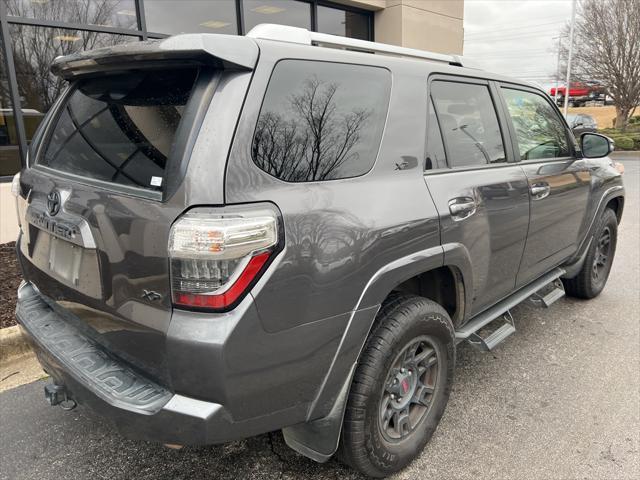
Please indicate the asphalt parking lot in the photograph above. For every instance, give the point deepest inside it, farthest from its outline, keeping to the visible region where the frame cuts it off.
(559, 399)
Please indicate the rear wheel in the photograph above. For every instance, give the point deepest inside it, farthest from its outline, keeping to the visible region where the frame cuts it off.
(597, 265)
(401, 386)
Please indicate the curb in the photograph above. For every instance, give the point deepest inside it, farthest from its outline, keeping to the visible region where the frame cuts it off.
(12, 343)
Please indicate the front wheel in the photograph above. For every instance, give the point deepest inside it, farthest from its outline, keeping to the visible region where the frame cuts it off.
(597, 265)
(400, 387)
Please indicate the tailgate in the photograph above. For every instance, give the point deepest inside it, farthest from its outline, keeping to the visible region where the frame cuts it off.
(105, 186)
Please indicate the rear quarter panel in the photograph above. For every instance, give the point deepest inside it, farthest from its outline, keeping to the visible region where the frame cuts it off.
(337, 233)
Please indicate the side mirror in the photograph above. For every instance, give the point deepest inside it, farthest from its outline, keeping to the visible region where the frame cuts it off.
(595, 145)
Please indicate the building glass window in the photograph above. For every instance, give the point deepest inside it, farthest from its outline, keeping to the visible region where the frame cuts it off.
(345, 23)
(34, 48)
(9, 151)
(282, 12)
(108, 13)
(321, 121)
(191, 16)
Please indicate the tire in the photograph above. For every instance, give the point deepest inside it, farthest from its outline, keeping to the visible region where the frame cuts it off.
(593, 275)
(407, 328)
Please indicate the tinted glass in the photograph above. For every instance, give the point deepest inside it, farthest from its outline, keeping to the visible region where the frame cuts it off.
(469, 123)
(111, 13)
(120, 128)
(435, 157)
(283, 12)
(539, 129)
(189, 16)
(321, 121)
(9, 152)
(34, 48)
(341, 22)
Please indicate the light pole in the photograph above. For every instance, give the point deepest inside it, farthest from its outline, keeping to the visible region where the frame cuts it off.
(573, 24)
(559, 37)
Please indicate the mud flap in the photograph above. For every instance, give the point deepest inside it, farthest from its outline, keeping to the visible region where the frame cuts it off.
(318, 439)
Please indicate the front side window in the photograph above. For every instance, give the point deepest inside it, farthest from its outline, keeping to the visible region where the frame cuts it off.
(321, 120)
(469, 123)
(540, 131)
(120, 128)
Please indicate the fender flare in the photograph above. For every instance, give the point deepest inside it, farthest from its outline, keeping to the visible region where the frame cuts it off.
(318, 437)
(574, 266)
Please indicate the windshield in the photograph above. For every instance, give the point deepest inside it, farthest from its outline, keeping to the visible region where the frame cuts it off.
(120, 128)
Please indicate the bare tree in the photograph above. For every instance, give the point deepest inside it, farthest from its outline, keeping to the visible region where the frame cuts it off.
(607, 50)
(34, 48)
(315, 142)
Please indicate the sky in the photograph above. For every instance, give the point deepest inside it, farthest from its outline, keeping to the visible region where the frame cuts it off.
(515, 37)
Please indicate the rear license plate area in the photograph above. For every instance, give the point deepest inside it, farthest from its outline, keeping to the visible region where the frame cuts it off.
(64, 260)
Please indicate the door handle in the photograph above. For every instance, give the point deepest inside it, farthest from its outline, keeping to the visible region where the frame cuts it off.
(540, 190)
(462, 208)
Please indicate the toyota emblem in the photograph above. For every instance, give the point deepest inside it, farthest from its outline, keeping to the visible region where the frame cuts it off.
(53, 203)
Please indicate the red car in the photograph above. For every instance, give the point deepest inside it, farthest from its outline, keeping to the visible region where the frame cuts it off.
(579, 93)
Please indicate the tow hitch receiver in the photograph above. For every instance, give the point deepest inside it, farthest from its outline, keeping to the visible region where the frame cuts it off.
(57, 395)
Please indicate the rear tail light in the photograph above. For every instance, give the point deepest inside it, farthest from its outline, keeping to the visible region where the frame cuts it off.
(216, 256)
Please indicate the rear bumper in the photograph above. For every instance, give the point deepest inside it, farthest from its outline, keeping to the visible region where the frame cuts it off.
(139, 407)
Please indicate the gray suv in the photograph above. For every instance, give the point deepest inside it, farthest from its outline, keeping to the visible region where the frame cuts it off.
(225, 236)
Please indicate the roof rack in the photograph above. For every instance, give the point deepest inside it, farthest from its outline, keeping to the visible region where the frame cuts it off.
(283, 33)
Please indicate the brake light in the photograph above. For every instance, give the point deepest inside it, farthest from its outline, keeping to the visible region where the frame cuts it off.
(216, 257)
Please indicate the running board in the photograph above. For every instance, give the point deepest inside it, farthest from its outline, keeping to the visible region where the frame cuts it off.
(497, 337)
(548, 295)
(503, 307)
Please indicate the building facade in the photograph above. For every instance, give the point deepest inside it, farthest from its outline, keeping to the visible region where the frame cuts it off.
(34, 32)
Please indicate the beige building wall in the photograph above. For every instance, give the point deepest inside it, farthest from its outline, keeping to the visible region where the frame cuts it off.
(435, 25)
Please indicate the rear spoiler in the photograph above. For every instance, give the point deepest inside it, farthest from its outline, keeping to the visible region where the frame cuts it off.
(227, 52)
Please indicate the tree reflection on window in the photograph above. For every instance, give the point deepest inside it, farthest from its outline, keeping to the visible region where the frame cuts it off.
(315, 127)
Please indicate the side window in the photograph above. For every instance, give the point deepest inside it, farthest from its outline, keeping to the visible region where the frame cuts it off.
(435, 157)
(540, 131)
(321, 120)
(469, 123)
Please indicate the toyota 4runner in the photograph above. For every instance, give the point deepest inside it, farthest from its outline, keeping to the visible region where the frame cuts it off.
(223, 236)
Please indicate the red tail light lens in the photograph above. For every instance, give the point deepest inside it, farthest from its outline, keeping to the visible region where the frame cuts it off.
(228, 297)
(216, 257)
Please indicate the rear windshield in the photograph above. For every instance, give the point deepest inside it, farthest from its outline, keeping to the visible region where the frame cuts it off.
(120, 128)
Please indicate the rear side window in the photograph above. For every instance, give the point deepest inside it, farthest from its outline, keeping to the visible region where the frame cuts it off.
(539, 130)
(120, 128)
(436, 157)
(469, 123)
(321, 121)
